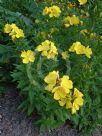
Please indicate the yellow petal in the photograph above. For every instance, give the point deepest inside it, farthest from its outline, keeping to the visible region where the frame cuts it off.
(23, 54)
(52, 77)
(39, 48)
(73, 110)
(7, 28)
(74, 20)
(79, 101)
(59, 91)
(56, 96)
(66, 83)
(67, 25)
(26, 60)
(13, 37)
(68, 104)
(46, 11)
(49, 87)
(82, 2)
(88, 52)
(32, 58)
(62, 102)
(77, 93)
(44, 53)
(75, 105)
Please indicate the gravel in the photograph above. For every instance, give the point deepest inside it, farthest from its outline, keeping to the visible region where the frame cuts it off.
(16, 123)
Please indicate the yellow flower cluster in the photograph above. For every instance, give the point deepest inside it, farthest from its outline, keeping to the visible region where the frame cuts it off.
(71, 20)
(27, 56)
(61, 88)
(74, 101)
(81, 49)
(82, 2)
(53, 11)
(13, 31)
(48, 49)
(53, 78)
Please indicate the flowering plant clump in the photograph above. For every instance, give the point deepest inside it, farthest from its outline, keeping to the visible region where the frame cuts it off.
(61, 87)
(55, 58)
(53, 11)
(71, 20)
(48, 49)
(13, 31)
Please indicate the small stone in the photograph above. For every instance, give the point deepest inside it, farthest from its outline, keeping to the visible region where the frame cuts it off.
(0, 116)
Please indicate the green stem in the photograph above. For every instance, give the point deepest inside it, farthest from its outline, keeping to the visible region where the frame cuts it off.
(39, 67)
(32, 81)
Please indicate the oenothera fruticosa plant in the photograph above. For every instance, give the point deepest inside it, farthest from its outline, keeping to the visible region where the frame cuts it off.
(58, 61)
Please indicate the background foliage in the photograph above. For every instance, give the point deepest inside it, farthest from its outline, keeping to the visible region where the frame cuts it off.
(86, 73)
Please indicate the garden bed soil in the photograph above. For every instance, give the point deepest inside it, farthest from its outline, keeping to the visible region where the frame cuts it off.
(16, 123)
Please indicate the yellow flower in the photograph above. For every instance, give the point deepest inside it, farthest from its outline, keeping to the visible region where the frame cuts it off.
(51, 79)
(66, 83)
(77, 93)
(101, 37)
(72, 101)
(13, 26)
(19, 33)
(71, 20)
(74, 20)
(82, 2)
(13, 31)
(67, 21)
(66, 101)
(77, 47)
(53, 11)
(16, 32)
(37, 21)
(52, 52)
(78, 100)
(61, 87)
(80, 49)
(65, 55)
(48, 49)
(84, 31)
(28, 56)
(7, 28)
(49, 87)
(59, 92)
(88, 52)
(92, 35)
(46, 11)
(44, 46)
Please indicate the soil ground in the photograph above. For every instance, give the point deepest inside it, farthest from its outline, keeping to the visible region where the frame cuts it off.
(16, 123)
